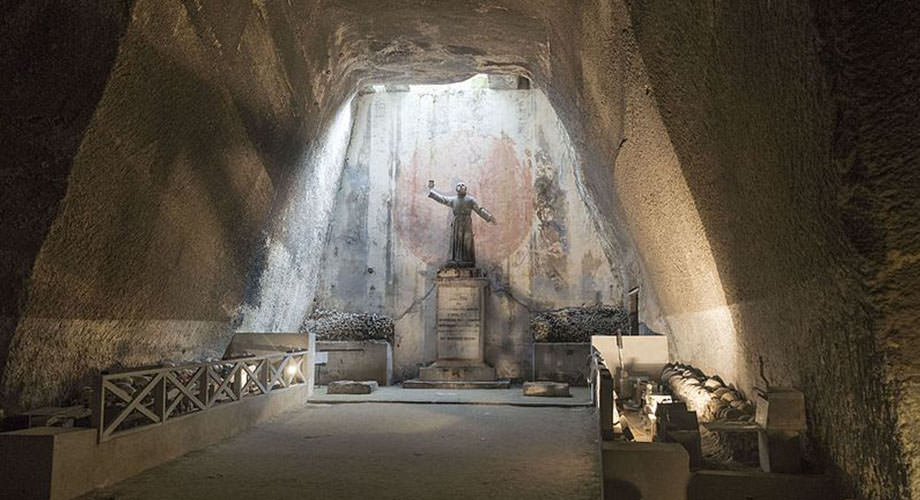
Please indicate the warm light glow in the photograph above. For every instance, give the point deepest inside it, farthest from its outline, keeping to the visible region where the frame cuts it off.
(291, 370)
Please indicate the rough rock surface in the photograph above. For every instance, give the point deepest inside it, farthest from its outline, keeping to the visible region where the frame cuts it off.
(338, 325)
(578, 324)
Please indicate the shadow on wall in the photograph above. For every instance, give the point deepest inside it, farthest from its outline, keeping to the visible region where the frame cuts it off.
(620, 489)
(182, 185)
(163, 214)
(42, 121)
(155, 191)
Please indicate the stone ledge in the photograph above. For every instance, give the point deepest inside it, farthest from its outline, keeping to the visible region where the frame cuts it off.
(456, 384)
(351, 387)
(444, 370)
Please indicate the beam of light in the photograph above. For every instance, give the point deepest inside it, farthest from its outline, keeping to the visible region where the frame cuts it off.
(295, 246)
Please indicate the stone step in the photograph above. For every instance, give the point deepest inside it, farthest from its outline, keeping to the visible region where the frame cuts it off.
(441, 371)
(456, 384)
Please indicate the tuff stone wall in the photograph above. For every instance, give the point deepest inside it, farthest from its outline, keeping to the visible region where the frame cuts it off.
(748, 102)
(204, 124)
(56, 59)
(870, 54)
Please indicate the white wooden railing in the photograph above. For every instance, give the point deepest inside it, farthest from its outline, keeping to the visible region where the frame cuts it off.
(133, 400)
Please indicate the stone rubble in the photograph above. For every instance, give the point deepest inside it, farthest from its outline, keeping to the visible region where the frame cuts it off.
(578, 324)
(330, 324)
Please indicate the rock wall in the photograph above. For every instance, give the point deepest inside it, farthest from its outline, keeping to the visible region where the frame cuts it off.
(206, 127)
(56, 59)
(388, 239)
(870, 55)
(744, 96)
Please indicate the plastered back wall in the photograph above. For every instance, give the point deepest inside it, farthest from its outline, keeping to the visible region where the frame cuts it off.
(388, 239)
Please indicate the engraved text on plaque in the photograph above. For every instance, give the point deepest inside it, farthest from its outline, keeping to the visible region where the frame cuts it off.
(460, 321)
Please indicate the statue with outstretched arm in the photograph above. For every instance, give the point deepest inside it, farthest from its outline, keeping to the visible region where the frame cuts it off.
(462, 249)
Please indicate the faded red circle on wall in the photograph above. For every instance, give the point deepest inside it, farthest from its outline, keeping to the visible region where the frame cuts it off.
(490, 168)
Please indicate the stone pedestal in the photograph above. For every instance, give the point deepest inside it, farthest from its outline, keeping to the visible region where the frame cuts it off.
(461, 333)
(461, 314)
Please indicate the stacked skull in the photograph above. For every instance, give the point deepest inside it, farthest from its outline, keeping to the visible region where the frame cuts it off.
(713, 401)
(578, 324)
(329, 324)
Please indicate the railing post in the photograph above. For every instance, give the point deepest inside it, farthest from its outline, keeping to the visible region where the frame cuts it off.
(606, 402)
(265, 372)
(237, 373)
(98, 418)
(203, 385)
(159, 398)
(309, 363)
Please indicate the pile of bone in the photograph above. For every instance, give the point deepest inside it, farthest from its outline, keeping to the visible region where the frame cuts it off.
(713, 400)
(578, 324)
(709, 397)
(329, 324)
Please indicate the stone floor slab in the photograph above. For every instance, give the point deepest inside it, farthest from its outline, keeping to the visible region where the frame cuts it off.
(389, 452)
(580, 396)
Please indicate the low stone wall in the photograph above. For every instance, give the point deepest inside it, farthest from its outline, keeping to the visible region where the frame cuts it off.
(57, 463)
(642, 354)
(651, 471)
(356, 360)
(561, 362)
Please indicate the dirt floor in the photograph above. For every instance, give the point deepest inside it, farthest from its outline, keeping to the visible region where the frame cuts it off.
(389, 451)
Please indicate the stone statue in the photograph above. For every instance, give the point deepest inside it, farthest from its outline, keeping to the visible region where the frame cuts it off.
(462, 251)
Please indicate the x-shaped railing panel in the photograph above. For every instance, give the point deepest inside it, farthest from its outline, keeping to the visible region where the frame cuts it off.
(158, 393)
